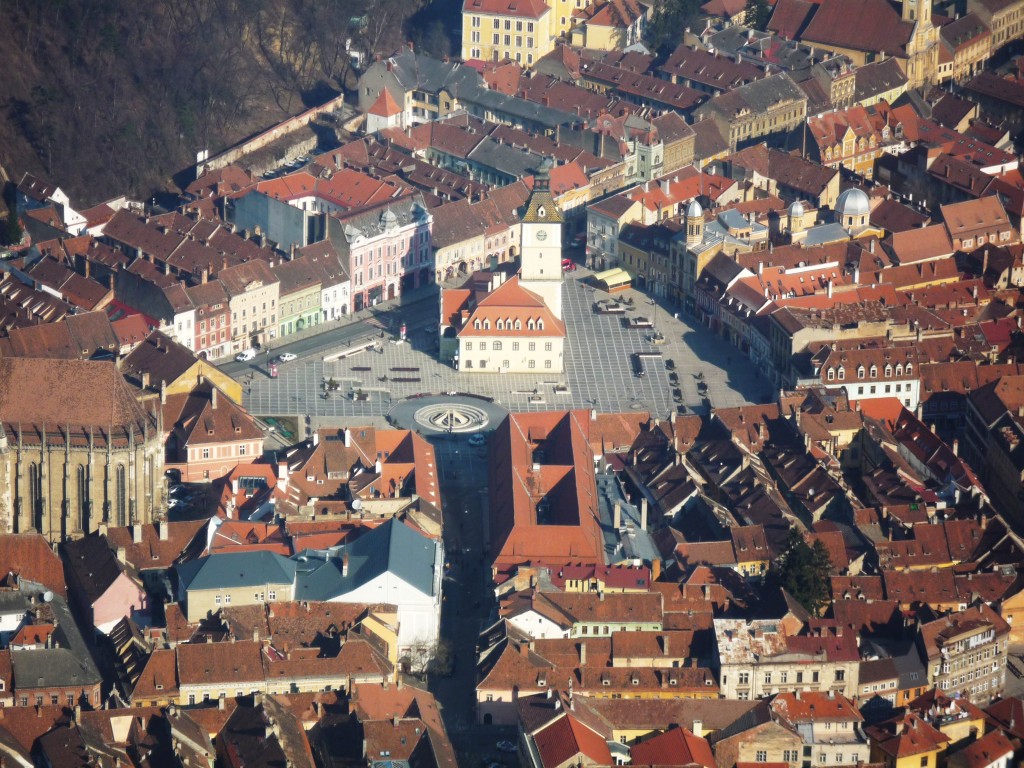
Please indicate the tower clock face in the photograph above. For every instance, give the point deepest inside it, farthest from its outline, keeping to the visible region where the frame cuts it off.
(542, 235)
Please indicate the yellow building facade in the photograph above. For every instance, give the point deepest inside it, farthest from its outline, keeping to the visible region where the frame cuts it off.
(522, 30)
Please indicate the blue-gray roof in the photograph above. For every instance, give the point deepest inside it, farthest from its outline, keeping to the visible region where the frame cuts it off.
(393, 547)
(236, 569)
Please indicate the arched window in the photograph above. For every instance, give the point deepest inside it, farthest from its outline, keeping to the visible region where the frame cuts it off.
(899, 369)
(121, 496)
(500, 324)
(860, 372)
(487, 325)
(874, 371)
(519, 325)
(82, 498)
(910, 369)
(35, 496)
(540, 325)
(476, 324)
(831, 374)
(529, 324)
(842, 373)
(496, 346)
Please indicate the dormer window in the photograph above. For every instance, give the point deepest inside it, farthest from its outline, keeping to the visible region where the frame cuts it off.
(831, 374)
(860, 372)
(888, 371)
(910, 369)
(500, 325)
(899, 369)
(519, 325)
(874, 371)
(540, 325)
(842, 373)
(529, 324)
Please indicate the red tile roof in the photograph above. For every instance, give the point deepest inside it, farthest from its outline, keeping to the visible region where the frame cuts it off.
(531, 9)
(676, 746)
(566, 738)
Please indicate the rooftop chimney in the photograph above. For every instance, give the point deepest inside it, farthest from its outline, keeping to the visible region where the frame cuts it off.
(213, 398)
(161, 527)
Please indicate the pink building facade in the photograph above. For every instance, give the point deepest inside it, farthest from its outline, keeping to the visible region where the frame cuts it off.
(387, 249)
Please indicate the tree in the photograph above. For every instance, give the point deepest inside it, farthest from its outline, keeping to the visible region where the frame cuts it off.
(12, 230)
(804, 572)
(423, 659)
(757, 13)
(668, 21)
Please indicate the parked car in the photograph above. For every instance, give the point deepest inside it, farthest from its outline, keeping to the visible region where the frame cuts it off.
(287, 357)
(506, 746)
(246, 355)
(568, 265)
(477, 440)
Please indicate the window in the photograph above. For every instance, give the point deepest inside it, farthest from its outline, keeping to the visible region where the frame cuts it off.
(469, 346)
(547, 363)
(533, 364)
(744, 678)
(216, 599)
(227, 599)
(840, 675)
(547, 346)
(496, 346)
(515, 346)
(121, 497)
(531, 346)
(791, 755)
(784, 678)
(241, 450)
(761, 756)
(831, 374)
(483, 346)
(924, 762)
(822, 757)
(272, 595)
(206, 453)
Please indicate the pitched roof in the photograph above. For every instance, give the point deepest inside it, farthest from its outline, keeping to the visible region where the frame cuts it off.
(30, 557)
(385, 105)
(566, 738)
(236, 569)
(676, 746)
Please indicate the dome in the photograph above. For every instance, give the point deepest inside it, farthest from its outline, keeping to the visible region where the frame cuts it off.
(693, 209)
(853, 202)
(796, 209)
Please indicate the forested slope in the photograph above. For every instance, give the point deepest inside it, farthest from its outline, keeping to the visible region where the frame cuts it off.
(107, 97)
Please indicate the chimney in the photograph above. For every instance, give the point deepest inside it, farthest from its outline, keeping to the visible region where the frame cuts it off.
(956, 447)
(213, 398)
(698, 728)
(348, 438)
(344, 564)
(137, 533)
(121, 554)
(617, 516)
(161, 527)
(163, 392)
(643, 513)
(829, 289)
(145, 379)
(316, 438)
(984, 262)
(583, 654)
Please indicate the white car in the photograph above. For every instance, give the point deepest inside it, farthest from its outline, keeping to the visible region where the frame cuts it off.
(246, 355)
(287, 357)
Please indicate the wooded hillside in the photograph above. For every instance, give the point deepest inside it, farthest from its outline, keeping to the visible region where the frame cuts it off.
(107, 97)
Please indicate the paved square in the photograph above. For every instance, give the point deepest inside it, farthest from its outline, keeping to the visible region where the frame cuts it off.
(599, 371)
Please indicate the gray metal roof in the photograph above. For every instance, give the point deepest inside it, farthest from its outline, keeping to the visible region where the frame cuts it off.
(236, 569)
(393, 547)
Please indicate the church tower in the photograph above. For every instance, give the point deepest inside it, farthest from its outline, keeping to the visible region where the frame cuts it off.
(541, 243)
(922, 49)
(915, 10)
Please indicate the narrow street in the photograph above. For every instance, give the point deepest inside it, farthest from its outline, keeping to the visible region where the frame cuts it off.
(468, 597)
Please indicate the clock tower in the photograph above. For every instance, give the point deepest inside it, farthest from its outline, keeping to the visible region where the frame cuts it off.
(541, 243)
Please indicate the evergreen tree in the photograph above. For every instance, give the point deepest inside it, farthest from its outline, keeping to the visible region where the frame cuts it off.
(757, 13)
(804, 572)
(12, 230)
(668, 22)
